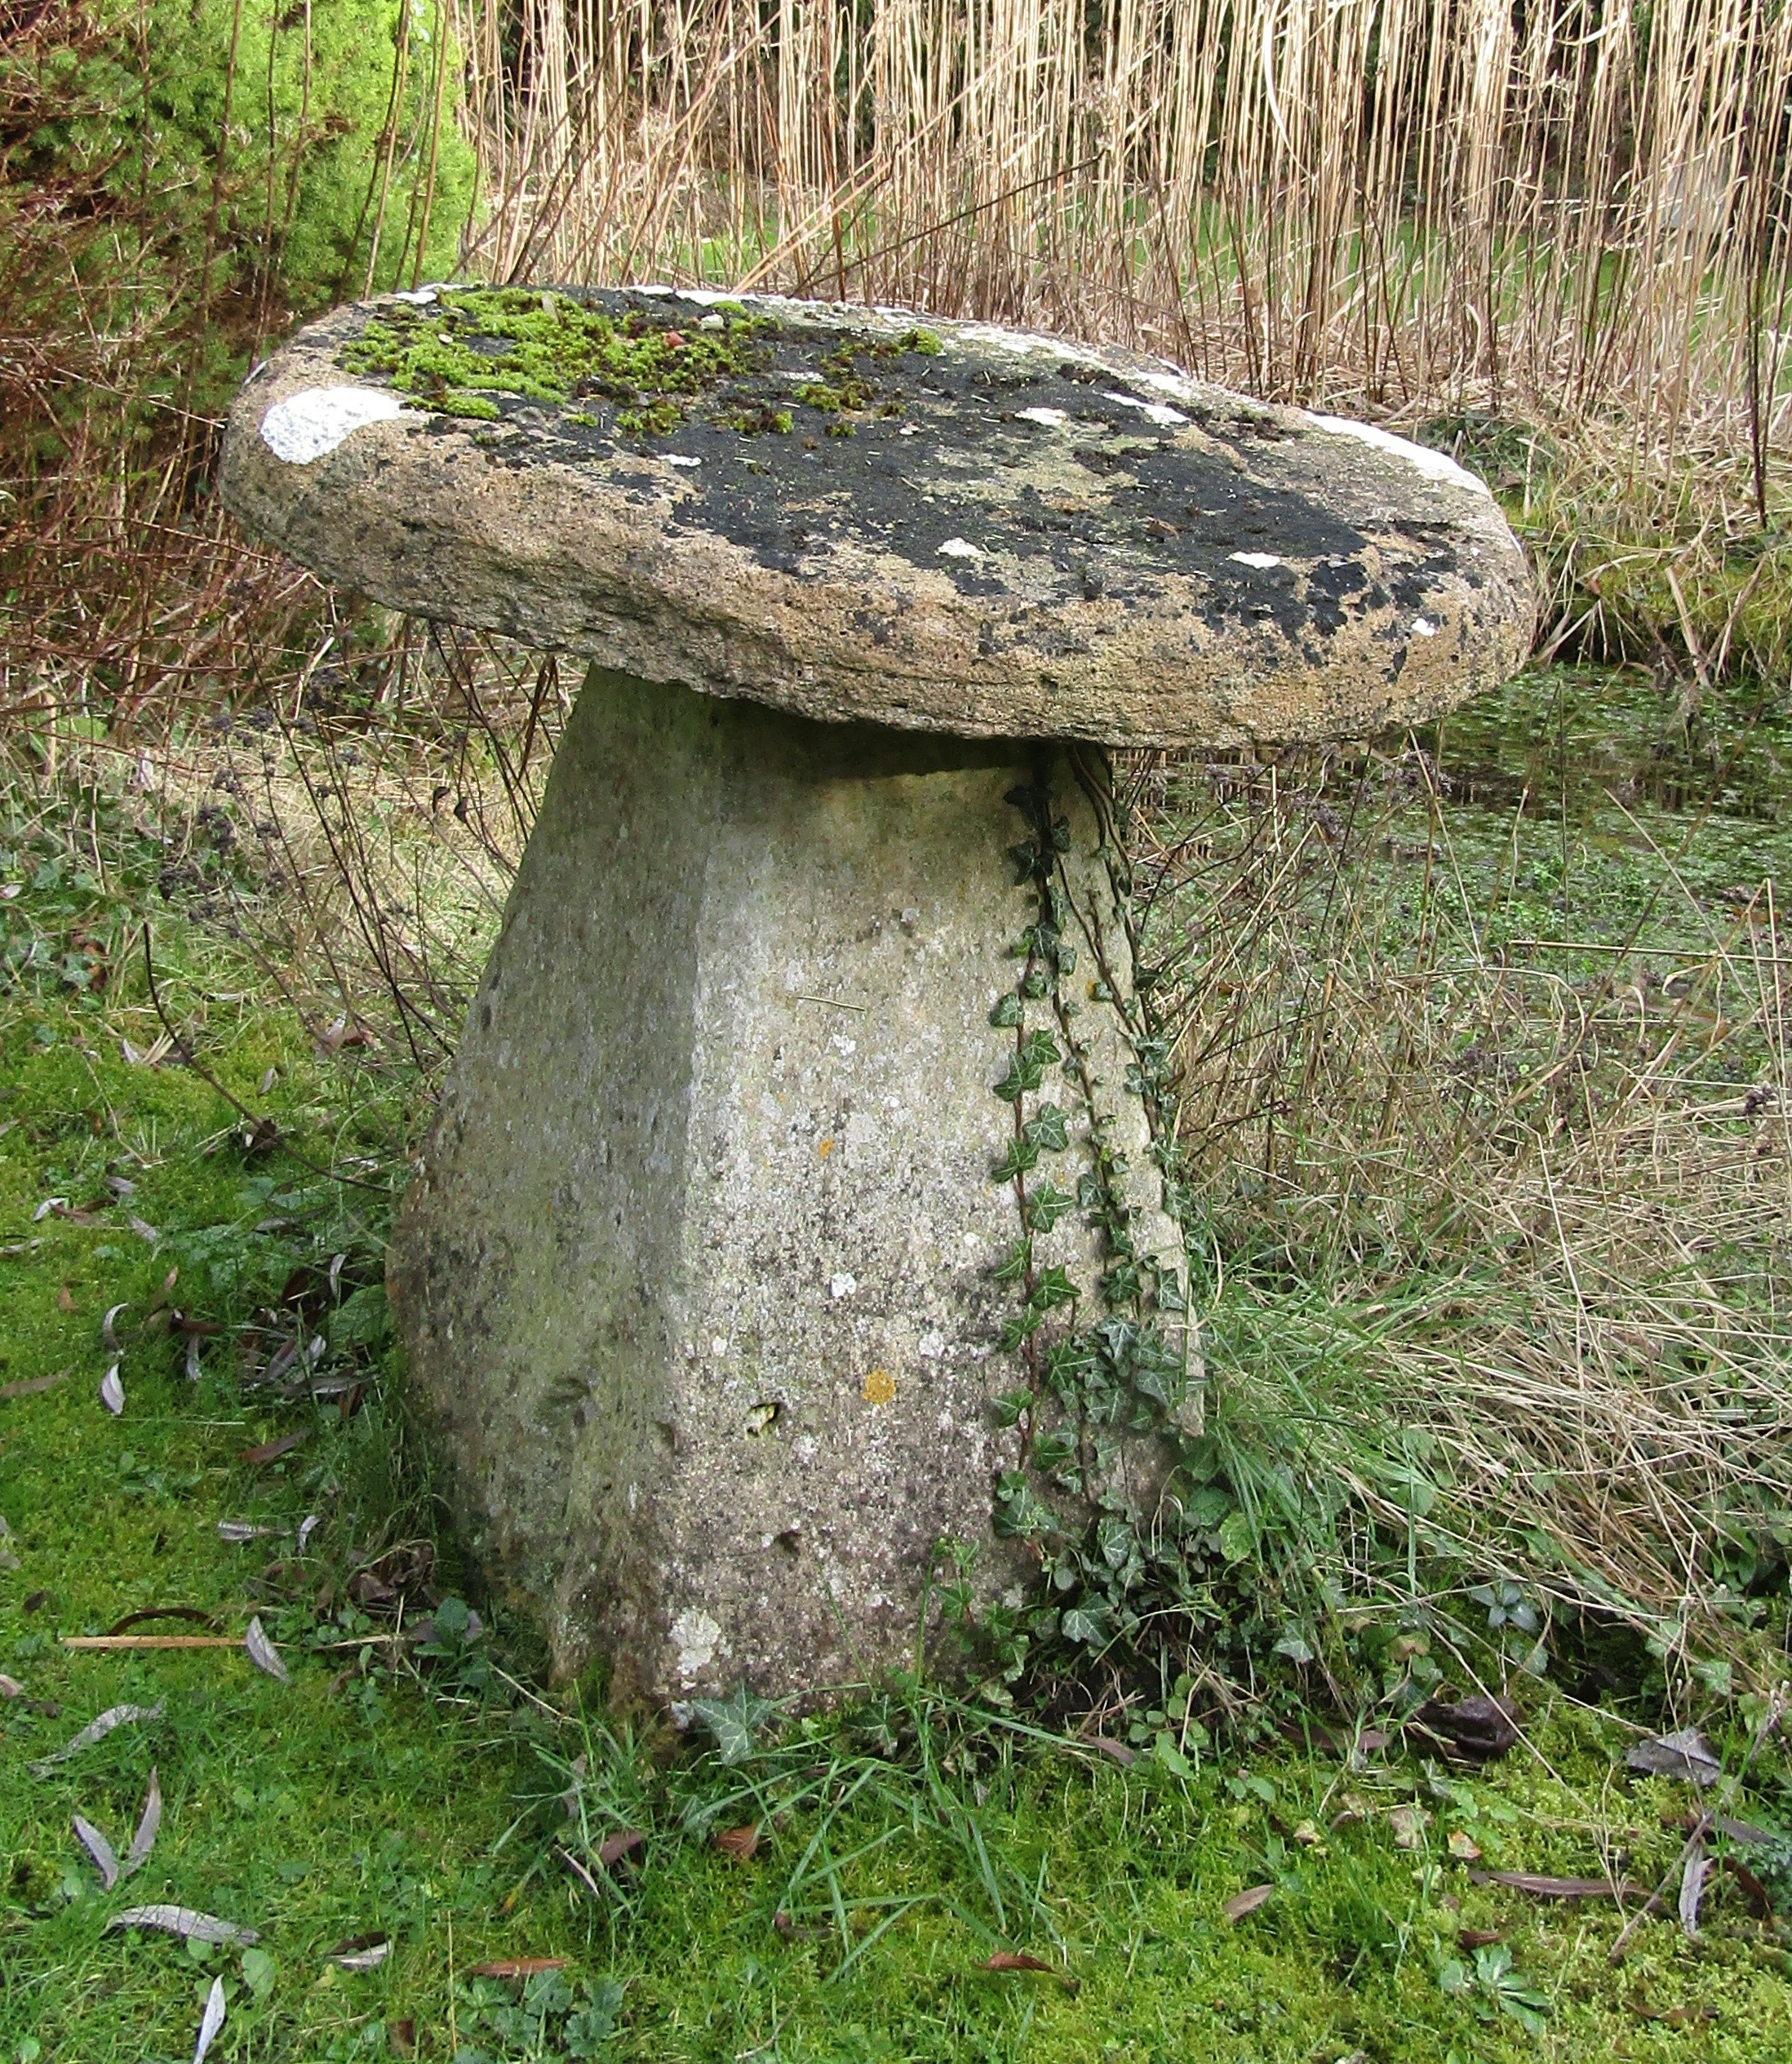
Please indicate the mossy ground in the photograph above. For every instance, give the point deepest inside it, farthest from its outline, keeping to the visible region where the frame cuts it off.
(418, 1796)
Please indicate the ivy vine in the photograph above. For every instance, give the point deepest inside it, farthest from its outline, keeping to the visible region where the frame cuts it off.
(1099, 1366)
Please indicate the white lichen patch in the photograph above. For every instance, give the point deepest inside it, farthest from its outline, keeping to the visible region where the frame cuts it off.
(1052, 419)
(1424, 628)
(1262, 561)
(960, 549)
(841, 1286)
(681, 459)
(419, 297)
(307, 425)
(699, 1641)
(1435, 465)
(1158, 412)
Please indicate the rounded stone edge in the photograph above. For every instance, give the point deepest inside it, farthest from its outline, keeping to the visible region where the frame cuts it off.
(576, 584)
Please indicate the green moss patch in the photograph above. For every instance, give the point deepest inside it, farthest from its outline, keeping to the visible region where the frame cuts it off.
(455, 353)
(470, 348)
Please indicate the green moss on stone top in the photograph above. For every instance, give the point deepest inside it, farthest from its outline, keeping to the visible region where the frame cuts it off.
(458, 353)
(454, 353)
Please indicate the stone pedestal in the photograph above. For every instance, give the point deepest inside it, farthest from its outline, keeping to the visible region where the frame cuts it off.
(699, 1275)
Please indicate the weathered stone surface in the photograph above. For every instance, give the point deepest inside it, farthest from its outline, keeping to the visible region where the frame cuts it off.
(1019, 538)
(696, 1274)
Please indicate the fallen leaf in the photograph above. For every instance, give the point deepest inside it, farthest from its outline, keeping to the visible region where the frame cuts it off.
(307, 1527)
(96, 1730)
(162, 1613)
(239, 1530)
(142, 1228)
(273, 1450)
(147, 1826)
(613, 1848)
(1546, 1888)
(194, 1372)
(401, 2034)
(1475, 1938)
(1015, 1960)
(1115, 1751)
(1686, 1754)
(740, 1843)
(184, 1922)
(105, 1860)
(212, 2021)
(1738, 1831)
(1372, 1740)
(106, 1332)
(65, 1299)
(11, 1687)
(1757, 1893)
(1307, 1834)
(1692, 1878)
(516, 1967)
(1464, 1847)
(364, 1953)
(263, 1653)
(49, 1205)
(1246, 1902)
(1408, 1823)
(29, 1386)
(1477, 1727)
(112, 1392)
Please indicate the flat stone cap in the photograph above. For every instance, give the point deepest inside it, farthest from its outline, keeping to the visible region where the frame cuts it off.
(859, 514)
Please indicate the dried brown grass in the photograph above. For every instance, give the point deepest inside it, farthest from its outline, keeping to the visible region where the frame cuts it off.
(1509, 1225)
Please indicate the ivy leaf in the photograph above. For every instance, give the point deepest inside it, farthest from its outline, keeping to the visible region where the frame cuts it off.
(1054, 1288)
(1016, 1263)
(1023, 1325)
(1018, 1511)
(1052, 1450)
(1047, 1128)
(1021, 1079)
(1115, 1540)
(1046, 1205)
(1085, 1624)
(1007, 1012)
(1011, 1407)
(1039, 1049)
(1238, 1537)
(1022, 1154)
(734, 1722)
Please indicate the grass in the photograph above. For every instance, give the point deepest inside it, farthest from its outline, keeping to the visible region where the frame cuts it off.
(434, 1793)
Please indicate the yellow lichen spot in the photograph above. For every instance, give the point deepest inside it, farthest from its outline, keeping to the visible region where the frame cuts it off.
(824, 1148)
(879, 1387)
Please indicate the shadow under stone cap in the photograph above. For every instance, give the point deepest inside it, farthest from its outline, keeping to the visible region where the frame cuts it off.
(857, 513)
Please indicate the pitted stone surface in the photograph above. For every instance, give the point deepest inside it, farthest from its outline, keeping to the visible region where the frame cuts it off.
(1019, 537)
(696, 1275)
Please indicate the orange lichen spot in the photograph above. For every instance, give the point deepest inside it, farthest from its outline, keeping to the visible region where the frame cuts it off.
(879, 1387)
(824, 1148)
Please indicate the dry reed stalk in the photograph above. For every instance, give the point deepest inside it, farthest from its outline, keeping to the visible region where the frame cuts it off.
(1398, 204)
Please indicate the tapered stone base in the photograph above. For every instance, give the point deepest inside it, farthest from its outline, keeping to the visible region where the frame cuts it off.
(696, 1273)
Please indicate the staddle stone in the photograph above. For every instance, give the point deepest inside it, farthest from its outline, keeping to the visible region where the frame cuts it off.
(795, 1205)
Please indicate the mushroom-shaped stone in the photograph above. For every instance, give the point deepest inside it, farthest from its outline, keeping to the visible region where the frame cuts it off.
(794, 1209)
